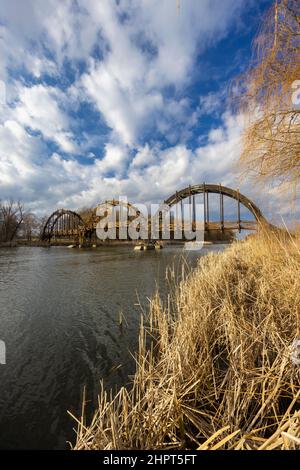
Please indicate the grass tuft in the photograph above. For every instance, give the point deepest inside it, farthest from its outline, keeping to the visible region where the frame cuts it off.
(214, 368)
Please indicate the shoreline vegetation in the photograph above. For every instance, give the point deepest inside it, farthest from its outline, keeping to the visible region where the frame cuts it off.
(110, 243)
(106, 244)
(218, 366)
(210, 237)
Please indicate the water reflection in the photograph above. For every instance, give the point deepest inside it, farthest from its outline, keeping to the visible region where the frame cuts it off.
(59, 317)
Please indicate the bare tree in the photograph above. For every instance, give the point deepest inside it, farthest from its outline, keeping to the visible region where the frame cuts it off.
(271, 141)
(41, 224)
(11, 218)
(30, 225)
(87, 214)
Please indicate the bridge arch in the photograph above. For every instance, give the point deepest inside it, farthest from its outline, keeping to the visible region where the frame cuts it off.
(121, 204)
(206, 189)
(62, 222)
(121, 220)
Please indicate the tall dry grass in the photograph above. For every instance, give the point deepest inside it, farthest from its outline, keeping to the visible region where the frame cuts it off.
(214, 368)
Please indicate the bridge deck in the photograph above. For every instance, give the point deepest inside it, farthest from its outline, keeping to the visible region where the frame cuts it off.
(213, 226)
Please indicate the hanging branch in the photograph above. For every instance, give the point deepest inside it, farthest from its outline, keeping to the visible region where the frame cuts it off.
(271, 140)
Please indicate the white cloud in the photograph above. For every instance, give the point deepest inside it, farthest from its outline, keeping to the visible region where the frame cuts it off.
(143, 47)
(154, 48)
(211, 103)
(33, 29)
(124, 109)
(144, 157)
(114, 160)
(38, 108)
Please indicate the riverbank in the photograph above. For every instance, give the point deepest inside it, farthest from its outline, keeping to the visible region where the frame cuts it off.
(218, 366)
(99, 243)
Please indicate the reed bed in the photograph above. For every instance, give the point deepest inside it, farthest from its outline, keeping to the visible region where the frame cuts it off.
(218, 364)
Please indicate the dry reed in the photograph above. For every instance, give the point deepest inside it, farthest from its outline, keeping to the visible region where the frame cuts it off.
(214, 368)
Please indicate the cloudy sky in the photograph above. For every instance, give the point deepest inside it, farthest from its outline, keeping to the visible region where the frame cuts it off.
(107, 98)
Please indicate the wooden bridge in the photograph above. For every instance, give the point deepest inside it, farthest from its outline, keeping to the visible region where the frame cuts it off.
(67, 224)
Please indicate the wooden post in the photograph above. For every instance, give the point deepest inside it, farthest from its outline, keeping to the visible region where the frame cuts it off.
(176, 224)
(190, 203)
(194, 213)
(221, 209)
(182, 218)
(239, 211)
(205, 207)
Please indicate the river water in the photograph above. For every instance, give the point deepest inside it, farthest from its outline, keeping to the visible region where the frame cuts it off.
(59, 319)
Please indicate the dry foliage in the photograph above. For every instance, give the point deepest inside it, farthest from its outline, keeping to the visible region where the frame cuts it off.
(214, 368)
(11, 218)
(271, 144)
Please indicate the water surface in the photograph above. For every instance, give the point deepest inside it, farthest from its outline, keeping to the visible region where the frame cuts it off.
(59, 318)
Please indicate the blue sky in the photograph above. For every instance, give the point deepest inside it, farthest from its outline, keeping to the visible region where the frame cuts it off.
(129, 97)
